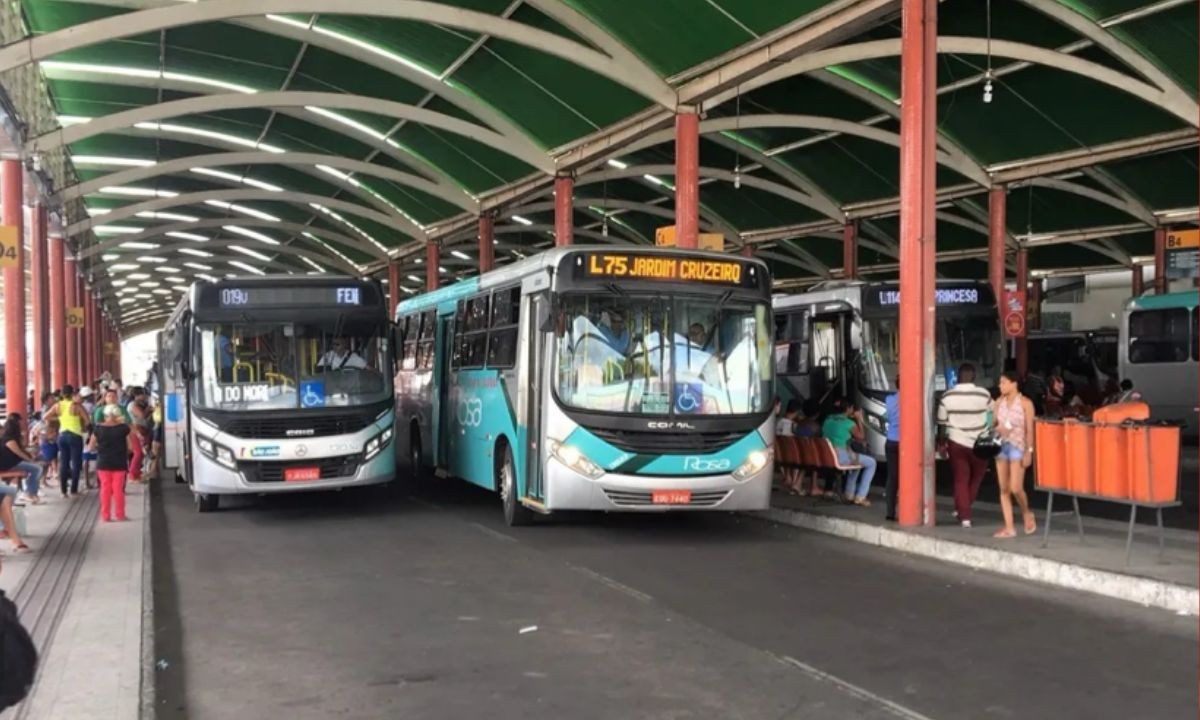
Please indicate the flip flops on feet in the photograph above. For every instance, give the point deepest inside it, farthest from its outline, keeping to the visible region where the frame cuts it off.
(1004, 534)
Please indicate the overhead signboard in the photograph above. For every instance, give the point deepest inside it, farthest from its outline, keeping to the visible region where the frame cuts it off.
(1183, 253)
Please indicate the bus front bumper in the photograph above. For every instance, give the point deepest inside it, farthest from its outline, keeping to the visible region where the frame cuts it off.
(210, 477)
(567, 489)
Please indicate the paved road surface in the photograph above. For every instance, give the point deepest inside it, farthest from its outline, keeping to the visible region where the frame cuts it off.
(368, 605)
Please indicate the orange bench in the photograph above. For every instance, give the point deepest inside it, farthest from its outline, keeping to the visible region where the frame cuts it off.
(809, 453)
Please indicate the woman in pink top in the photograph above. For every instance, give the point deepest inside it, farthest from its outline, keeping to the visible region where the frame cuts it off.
(1013, 416)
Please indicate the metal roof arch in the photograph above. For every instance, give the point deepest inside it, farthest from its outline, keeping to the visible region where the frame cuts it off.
(621, 70)
(261, 157)
(634, 171)
(964, 166)
(523, 149)
(155, 231)
(241, 195)
(1184, 109)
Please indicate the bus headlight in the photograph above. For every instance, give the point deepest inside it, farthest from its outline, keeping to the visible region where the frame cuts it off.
(876, 423)
(377, 443)
(225, 457)
(755, 462)
(220, 453)
(570, 456)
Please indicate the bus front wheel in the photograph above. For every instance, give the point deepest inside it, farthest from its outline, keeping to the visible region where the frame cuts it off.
(207, 502)
(515, 514)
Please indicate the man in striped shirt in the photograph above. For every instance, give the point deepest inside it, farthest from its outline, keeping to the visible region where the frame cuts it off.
(963, 412)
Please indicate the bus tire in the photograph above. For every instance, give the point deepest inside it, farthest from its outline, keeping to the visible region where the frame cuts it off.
(206, 502)
(515, 514)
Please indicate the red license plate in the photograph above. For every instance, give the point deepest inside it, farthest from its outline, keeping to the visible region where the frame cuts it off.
(300, 474)
(671, 497)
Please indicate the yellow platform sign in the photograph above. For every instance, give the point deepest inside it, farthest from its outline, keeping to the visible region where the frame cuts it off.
(10, 246)
(665, 237)
(1182, 239)
(75, 318)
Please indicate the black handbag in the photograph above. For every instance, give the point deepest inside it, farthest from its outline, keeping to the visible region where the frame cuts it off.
(987, 445)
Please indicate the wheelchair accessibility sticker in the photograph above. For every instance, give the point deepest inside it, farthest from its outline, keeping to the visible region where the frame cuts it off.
(312, 394)
(689, 397)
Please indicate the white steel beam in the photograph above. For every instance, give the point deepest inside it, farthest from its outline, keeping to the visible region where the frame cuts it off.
(202, 104)
(305, 161)
(153, 20)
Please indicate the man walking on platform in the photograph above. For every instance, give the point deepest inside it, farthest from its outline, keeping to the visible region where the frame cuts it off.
(964, 413)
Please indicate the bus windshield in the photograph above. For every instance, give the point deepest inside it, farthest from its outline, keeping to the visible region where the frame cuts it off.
(655, 355)
(960, 339)
(274, 366)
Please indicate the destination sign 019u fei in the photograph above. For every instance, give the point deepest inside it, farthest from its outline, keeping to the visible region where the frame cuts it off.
(233, 297)
(663, 267)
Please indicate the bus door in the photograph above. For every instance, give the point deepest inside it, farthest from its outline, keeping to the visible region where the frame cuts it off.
(831, 357)
(539, 311)
(442, 415)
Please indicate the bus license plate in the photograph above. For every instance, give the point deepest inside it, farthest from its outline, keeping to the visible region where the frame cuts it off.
(671, 497)
(301, 474)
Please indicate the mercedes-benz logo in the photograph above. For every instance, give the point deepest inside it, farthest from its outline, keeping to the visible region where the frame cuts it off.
(301, 450)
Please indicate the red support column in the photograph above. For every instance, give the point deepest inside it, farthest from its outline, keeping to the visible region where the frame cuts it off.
(487, 239)
(71, 296)
(1160, 260)
(1037, 291)
(1022, 343)
(918, 188)
(393, 288)
(89, 341)
(687, 180)
(12, 212)
(1139, 280)
(39, 276)
(433, 261)
(850, 250)
(57, 306)
(997, 238)
(564, 210)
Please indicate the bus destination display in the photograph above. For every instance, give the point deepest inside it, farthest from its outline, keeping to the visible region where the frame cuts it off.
(233, 297)
(946, 296)
(623, 266)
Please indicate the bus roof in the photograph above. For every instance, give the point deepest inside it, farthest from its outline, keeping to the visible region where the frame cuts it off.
(1187, 299)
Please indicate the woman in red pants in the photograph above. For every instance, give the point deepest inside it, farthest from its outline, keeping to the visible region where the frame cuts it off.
(113, 442)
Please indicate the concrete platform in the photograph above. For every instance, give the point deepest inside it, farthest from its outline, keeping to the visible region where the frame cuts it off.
(1096, 564)
(80, 593)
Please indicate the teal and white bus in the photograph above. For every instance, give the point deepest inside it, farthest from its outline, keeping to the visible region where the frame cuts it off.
(594, 378)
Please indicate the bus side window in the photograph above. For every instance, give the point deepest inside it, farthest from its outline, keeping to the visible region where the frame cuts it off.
(502, 336)
(426, 335)
(460, 316)
(1159, 336)
(792, 332)
(410, 327)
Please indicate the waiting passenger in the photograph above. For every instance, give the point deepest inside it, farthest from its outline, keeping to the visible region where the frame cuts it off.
(844, 425)
(891, 451)
(113, 442)
(341, 356)
(963, 412)
(1124, 394)
(785, 426)
(13, 456)
(1013, 415)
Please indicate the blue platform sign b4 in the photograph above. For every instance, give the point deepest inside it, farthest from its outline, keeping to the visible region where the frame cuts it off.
(312, 394)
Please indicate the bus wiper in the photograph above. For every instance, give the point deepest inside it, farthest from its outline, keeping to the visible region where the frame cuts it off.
(615, 289)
